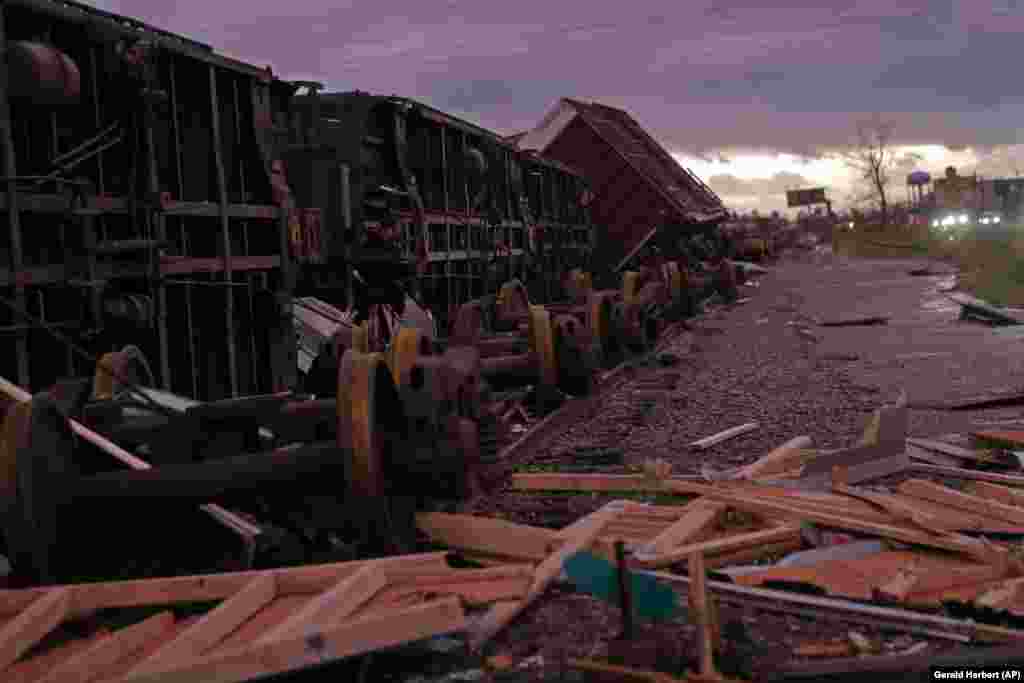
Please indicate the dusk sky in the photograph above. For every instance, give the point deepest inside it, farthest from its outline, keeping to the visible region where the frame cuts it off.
(751, 96)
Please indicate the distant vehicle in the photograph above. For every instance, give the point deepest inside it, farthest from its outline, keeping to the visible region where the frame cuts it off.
(990, 218)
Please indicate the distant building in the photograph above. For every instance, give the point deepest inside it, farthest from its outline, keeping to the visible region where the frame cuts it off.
(1005, 195)
(638, 186)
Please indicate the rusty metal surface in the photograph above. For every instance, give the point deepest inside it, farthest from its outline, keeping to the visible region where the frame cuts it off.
(638, 186)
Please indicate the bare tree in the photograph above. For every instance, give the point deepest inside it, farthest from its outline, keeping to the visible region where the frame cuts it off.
(874, 160)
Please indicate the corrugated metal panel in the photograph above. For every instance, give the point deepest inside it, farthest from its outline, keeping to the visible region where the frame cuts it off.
(625, 204)
(621, 131)
(637, 185)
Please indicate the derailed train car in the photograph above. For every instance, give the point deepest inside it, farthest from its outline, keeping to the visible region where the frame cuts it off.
(140, 204)
(470, 209)
(162, 195)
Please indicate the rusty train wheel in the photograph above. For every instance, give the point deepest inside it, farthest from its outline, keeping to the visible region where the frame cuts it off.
(369, 415)
(542, 343)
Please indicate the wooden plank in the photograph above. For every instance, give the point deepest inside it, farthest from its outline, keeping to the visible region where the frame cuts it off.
(502, 614)
(94, 663)
(472, 593)
(333, 607)
(214, 626)
(932, 457)
(918, 488)
(737, 558)
(700, 613)
(781, 534)
(1000, 494)
(778, 459)
(89, 597)
(485, 535)
(715, 439)
(263, 621)
(949, 449)
(32, 669)
(1002, 595)
(971, 475)
(345, 640)
(898, 533)
(699, 516)
(21, 633)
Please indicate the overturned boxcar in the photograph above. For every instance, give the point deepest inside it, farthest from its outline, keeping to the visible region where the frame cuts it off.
(162, 195)
(138, 172)
(472, 210)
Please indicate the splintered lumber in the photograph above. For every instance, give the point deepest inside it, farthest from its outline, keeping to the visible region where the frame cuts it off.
(698, 517)
(781, 458)
(1002, 595)
(950, 450)
(486, 535)
(918, 488)
(1000, 494)
(502, 614)
(331, 607)
(213, 626)
(781, 534)
(835, 648)
(32, 669)
(22, 632)
(718, 438)
(932, 457)
(893, 575)
(831, 608)
(959, 473)
(96, 661)
(623, 672)
(751, 503)
(700, 613)
(293, 652)
(736, 558)
(90, 597)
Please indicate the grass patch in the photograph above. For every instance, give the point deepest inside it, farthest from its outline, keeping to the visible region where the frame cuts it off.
(991, 263)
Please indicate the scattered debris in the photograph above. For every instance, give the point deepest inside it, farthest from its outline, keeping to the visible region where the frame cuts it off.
(716, 439)
(856, 321)
(972, 307)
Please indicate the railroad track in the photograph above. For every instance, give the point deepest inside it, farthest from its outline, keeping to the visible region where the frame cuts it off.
(574, 410)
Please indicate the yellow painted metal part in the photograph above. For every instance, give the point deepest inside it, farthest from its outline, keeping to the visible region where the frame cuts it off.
(403, 353)
(14, 436)
(630, 285)
(600, 318)
(542, 343)
(361, 338)
(104, 383)
(357, 378)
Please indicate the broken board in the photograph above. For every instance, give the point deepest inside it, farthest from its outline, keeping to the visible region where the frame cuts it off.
(264, 622)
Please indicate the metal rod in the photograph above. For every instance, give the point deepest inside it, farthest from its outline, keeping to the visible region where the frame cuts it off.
(253, 359)
(348, 232)
(222, 195)
(625, 599)
(180, 177)
(97, 120)
(160, 227)
(13, 213)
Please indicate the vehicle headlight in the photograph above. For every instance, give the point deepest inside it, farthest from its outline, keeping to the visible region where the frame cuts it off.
(935, 223)
(984, 221)
(948, 220)
(963, 218)
(996, 219)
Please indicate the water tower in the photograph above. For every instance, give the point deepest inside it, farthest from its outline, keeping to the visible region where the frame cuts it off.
(917, 184)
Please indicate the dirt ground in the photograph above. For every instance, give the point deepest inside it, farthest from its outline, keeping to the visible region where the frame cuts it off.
(769, 361)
